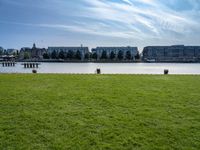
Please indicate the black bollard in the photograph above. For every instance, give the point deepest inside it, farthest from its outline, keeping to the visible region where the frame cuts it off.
(166, 72)
(34, 71)
(98, 71)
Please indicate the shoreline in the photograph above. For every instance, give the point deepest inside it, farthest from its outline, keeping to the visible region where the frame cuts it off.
(104, 62)
(92, 74)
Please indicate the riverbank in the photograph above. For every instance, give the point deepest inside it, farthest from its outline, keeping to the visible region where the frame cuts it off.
(107, 61)
(79, 61)
(99, 112)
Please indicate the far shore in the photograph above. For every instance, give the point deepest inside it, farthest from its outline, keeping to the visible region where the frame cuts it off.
(94, 61)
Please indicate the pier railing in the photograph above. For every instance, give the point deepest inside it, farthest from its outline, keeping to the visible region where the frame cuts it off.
(8, 63)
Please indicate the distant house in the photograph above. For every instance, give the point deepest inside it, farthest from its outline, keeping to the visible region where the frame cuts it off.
(8, 55)
(32, 53)
(175, 53)
(7, 58)
(126, 53)
(12, 51)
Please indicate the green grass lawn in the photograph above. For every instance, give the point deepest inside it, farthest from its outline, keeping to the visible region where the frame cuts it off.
(116, 112)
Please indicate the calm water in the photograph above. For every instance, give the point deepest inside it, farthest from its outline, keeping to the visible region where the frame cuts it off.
(108, 68)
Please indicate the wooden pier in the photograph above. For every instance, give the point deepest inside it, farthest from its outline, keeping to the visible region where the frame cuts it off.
(31, 65)
(8, 64)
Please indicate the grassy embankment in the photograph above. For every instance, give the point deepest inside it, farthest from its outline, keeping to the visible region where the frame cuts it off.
(99, 112)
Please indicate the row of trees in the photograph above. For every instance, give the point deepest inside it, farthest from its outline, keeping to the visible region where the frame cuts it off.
(63, 55)
(120, 56)
(70, 55)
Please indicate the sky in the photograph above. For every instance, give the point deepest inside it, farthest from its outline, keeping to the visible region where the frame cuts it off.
(99, 23)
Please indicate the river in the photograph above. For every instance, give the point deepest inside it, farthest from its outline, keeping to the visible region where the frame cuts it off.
(108, 68)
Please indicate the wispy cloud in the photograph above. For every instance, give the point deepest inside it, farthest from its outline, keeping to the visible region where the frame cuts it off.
(150, 19)
(137, 20)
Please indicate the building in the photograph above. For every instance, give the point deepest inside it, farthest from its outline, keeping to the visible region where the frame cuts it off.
(7, 58)
(32, 53)
(83, 50)
(175, 53)
(37, 52)
(114, 53)
(12, 51)
(1, 51)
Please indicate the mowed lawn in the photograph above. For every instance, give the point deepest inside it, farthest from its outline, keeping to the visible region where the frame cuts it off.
(146, 112)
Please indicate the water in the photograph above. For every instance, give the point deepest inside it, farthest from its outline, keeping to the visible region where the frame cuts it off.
(108, 68)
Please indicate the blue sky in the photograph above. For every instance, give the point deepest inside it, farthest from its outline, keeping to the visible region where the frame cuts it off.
(99, 22)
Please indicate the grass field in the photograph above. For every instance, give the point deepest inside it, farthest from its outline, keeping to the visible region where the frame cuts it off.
(88, 112)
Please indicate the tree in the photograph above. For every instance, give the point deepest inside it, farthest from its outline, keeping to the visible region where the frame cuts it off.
(112, 55)
(14, 54)
(5, 52)
(87, 56)
(54, 55)
(128, 55)
(120, 55)
(1, 52)
(78, 55)
(137, 56)
(61, 55)
(104, 55)
(26, 55)
(70, 54)
(94, 56)
(45, 56)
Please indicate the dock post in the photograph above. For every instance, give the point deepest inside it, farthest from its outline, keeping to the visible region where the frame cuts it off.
(28, 66)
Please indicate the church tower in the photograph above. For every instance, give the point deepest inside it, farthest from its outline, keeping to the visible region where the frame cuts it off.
(34, 46)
